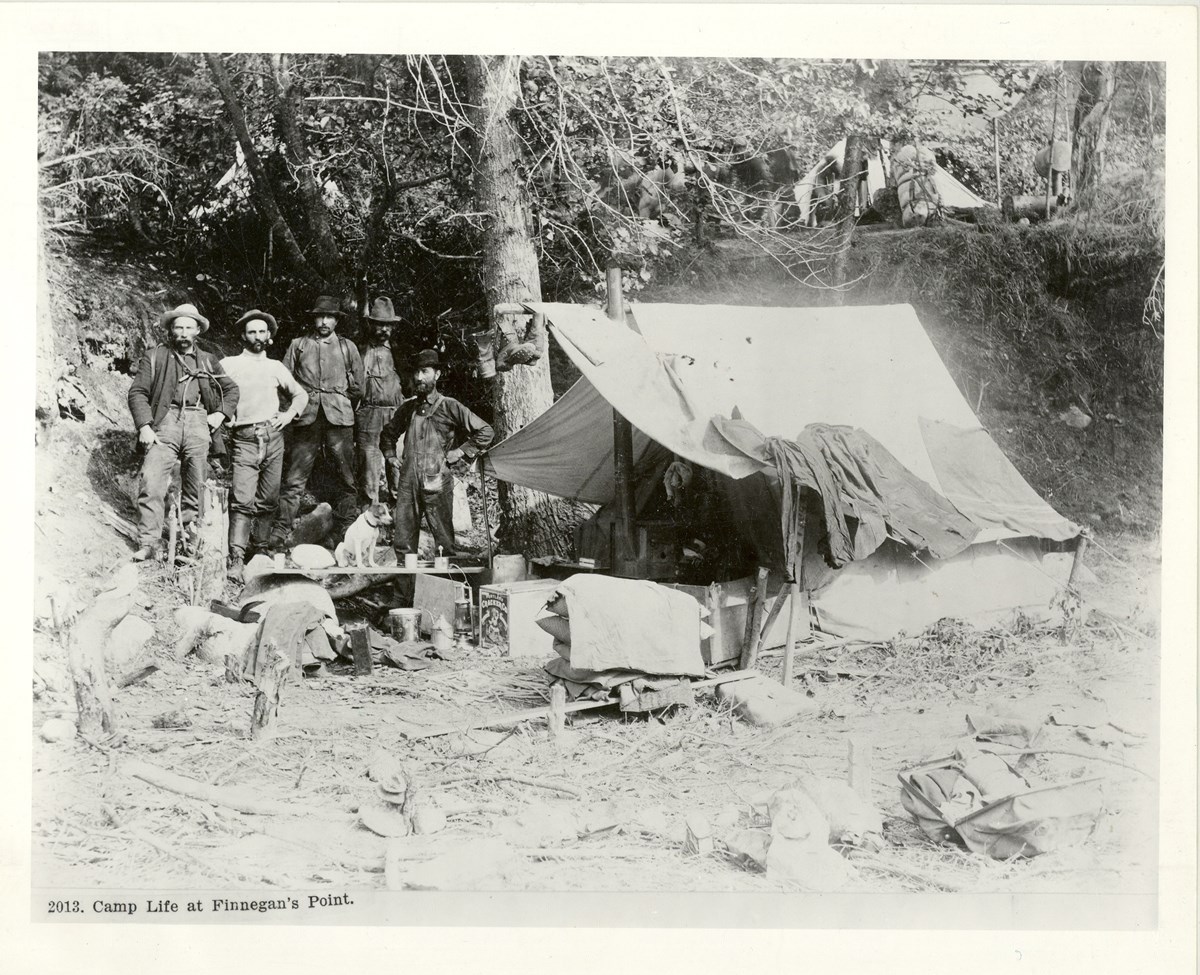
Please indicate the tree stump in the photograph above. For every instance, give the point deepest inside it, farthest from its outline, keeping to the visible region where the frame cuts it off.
(271, 672)
(214, 542)
(85, 653)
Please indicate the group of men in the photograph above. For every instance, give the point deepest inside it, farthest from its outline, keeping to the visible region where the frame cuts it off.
(324, 393)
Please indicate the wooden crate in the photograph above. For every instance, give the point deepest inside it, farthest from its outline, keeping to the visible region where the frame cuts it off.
(507, 615)
(435, 596)
(727, 606)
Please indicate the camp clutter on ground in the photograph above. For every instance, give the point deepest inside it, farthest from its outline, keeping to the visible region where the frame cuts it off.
(775, 487)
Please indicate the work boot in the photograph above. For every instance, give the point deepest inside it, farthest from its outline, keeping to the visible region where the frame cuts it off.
(239, 535)
(234, 567)
(147, 553)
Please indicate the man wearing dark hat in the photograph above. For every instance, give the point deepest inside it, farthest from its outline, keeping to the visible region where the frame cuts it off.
(330, 370)
(381, 395)
(179, 396)
(438, 432)
(257, 447)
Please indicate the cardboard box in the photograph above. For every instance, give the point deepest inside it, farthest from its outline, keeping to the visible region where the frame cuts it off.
(507, 615)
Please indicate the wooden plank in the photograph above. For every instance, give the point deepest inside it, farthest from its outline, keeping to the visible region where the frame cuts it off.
(754, 621)
(682, 694)
(531, 714)
(789, 647)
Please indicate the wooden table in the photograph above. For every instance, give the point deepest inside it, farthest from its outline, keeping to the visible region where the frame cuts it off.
(378, 570)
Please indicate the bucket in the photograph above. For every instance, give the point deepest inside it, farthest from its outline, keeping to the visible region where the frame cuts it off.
(441, 563)
(405, 624)
(410, 560)
(508, 568)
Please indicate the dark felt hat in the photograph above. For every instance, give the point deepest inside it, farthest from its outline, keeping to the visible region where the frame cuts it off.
(262, 316)
(186, 310)
(382, 311)
(427, 357)
(326, 305)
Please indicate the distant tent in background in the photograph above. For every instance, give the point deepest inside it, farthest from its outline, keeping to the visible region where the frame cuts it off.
(816, 184)
(871, 368)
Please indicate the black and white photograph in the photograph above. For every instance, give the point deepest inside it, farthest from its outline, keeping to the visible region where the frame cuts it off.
(488, 475)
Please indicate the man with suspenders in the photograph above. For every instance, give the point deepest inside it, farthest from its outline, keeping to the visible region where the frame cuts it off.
(330, 370)
(179, 396)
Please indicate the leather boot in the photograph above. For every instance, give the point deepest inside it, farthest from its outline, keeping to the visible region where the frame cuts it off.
(239, 534)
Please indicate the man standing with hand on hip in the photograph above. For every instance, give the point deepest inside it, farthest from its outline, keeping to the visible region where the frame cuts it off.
(179, 396)
(330, 370)
(381, 395)
(257, 441)
(438, 432)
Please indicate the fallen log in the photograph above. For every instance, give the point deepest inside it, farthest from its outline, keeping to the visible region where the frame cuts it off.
(217, 795)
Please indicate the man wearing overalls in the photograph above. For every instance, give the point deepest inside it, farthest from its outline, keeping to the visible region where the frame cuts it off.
(179, 395)
(330, 370)
(257, 442)
(438, 432)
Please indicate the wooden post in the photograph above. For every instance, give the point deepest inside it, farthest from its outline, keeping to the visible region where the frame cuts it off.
(790, 646)
(1081, 547)
(622, 436)
(487, 523)
(860, 756)
(558, 715)
(713, 597)
(360, 644)
(172, 531)
(214, 542)
(754, 612)
(85, 654)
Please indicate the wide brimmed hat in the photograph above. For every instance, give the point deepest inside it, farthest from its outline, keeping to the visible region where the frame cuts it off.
(262, 316)
(183, 311)
(326, 305)
(427, 357)
(382, 311)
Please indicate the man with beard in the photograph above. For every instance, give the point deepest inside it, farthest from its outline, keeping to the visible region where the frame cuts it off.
(381, 395)
(180, 394)
(330, 370)
(438, 432)
(257, 441)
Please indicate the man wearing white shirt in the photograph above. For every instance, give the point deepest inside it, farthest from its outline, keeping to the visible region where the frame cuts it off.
(257, 440)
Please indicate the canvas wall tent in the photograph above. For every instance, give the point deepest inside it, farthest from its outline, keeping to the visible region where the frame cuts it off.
(783, 368)
(951, 191)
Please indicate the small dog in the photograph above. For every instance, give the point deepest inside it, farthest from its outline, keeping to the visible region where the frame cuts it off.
(362, 536)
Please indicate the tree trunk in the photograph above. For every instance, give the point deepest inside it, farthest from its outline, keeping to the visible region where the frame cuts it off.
(1090, 130)
(852, 166)
(325, 246)
(530, 521)
(263, 193)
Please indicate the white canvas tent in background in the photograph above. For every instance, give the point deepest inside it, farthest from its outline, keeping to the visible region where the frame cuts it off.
(783, 368)
(951, 191)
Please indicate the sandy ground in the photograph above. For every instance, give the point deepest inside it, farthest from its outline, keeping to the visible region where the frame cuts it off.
(603, 809)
